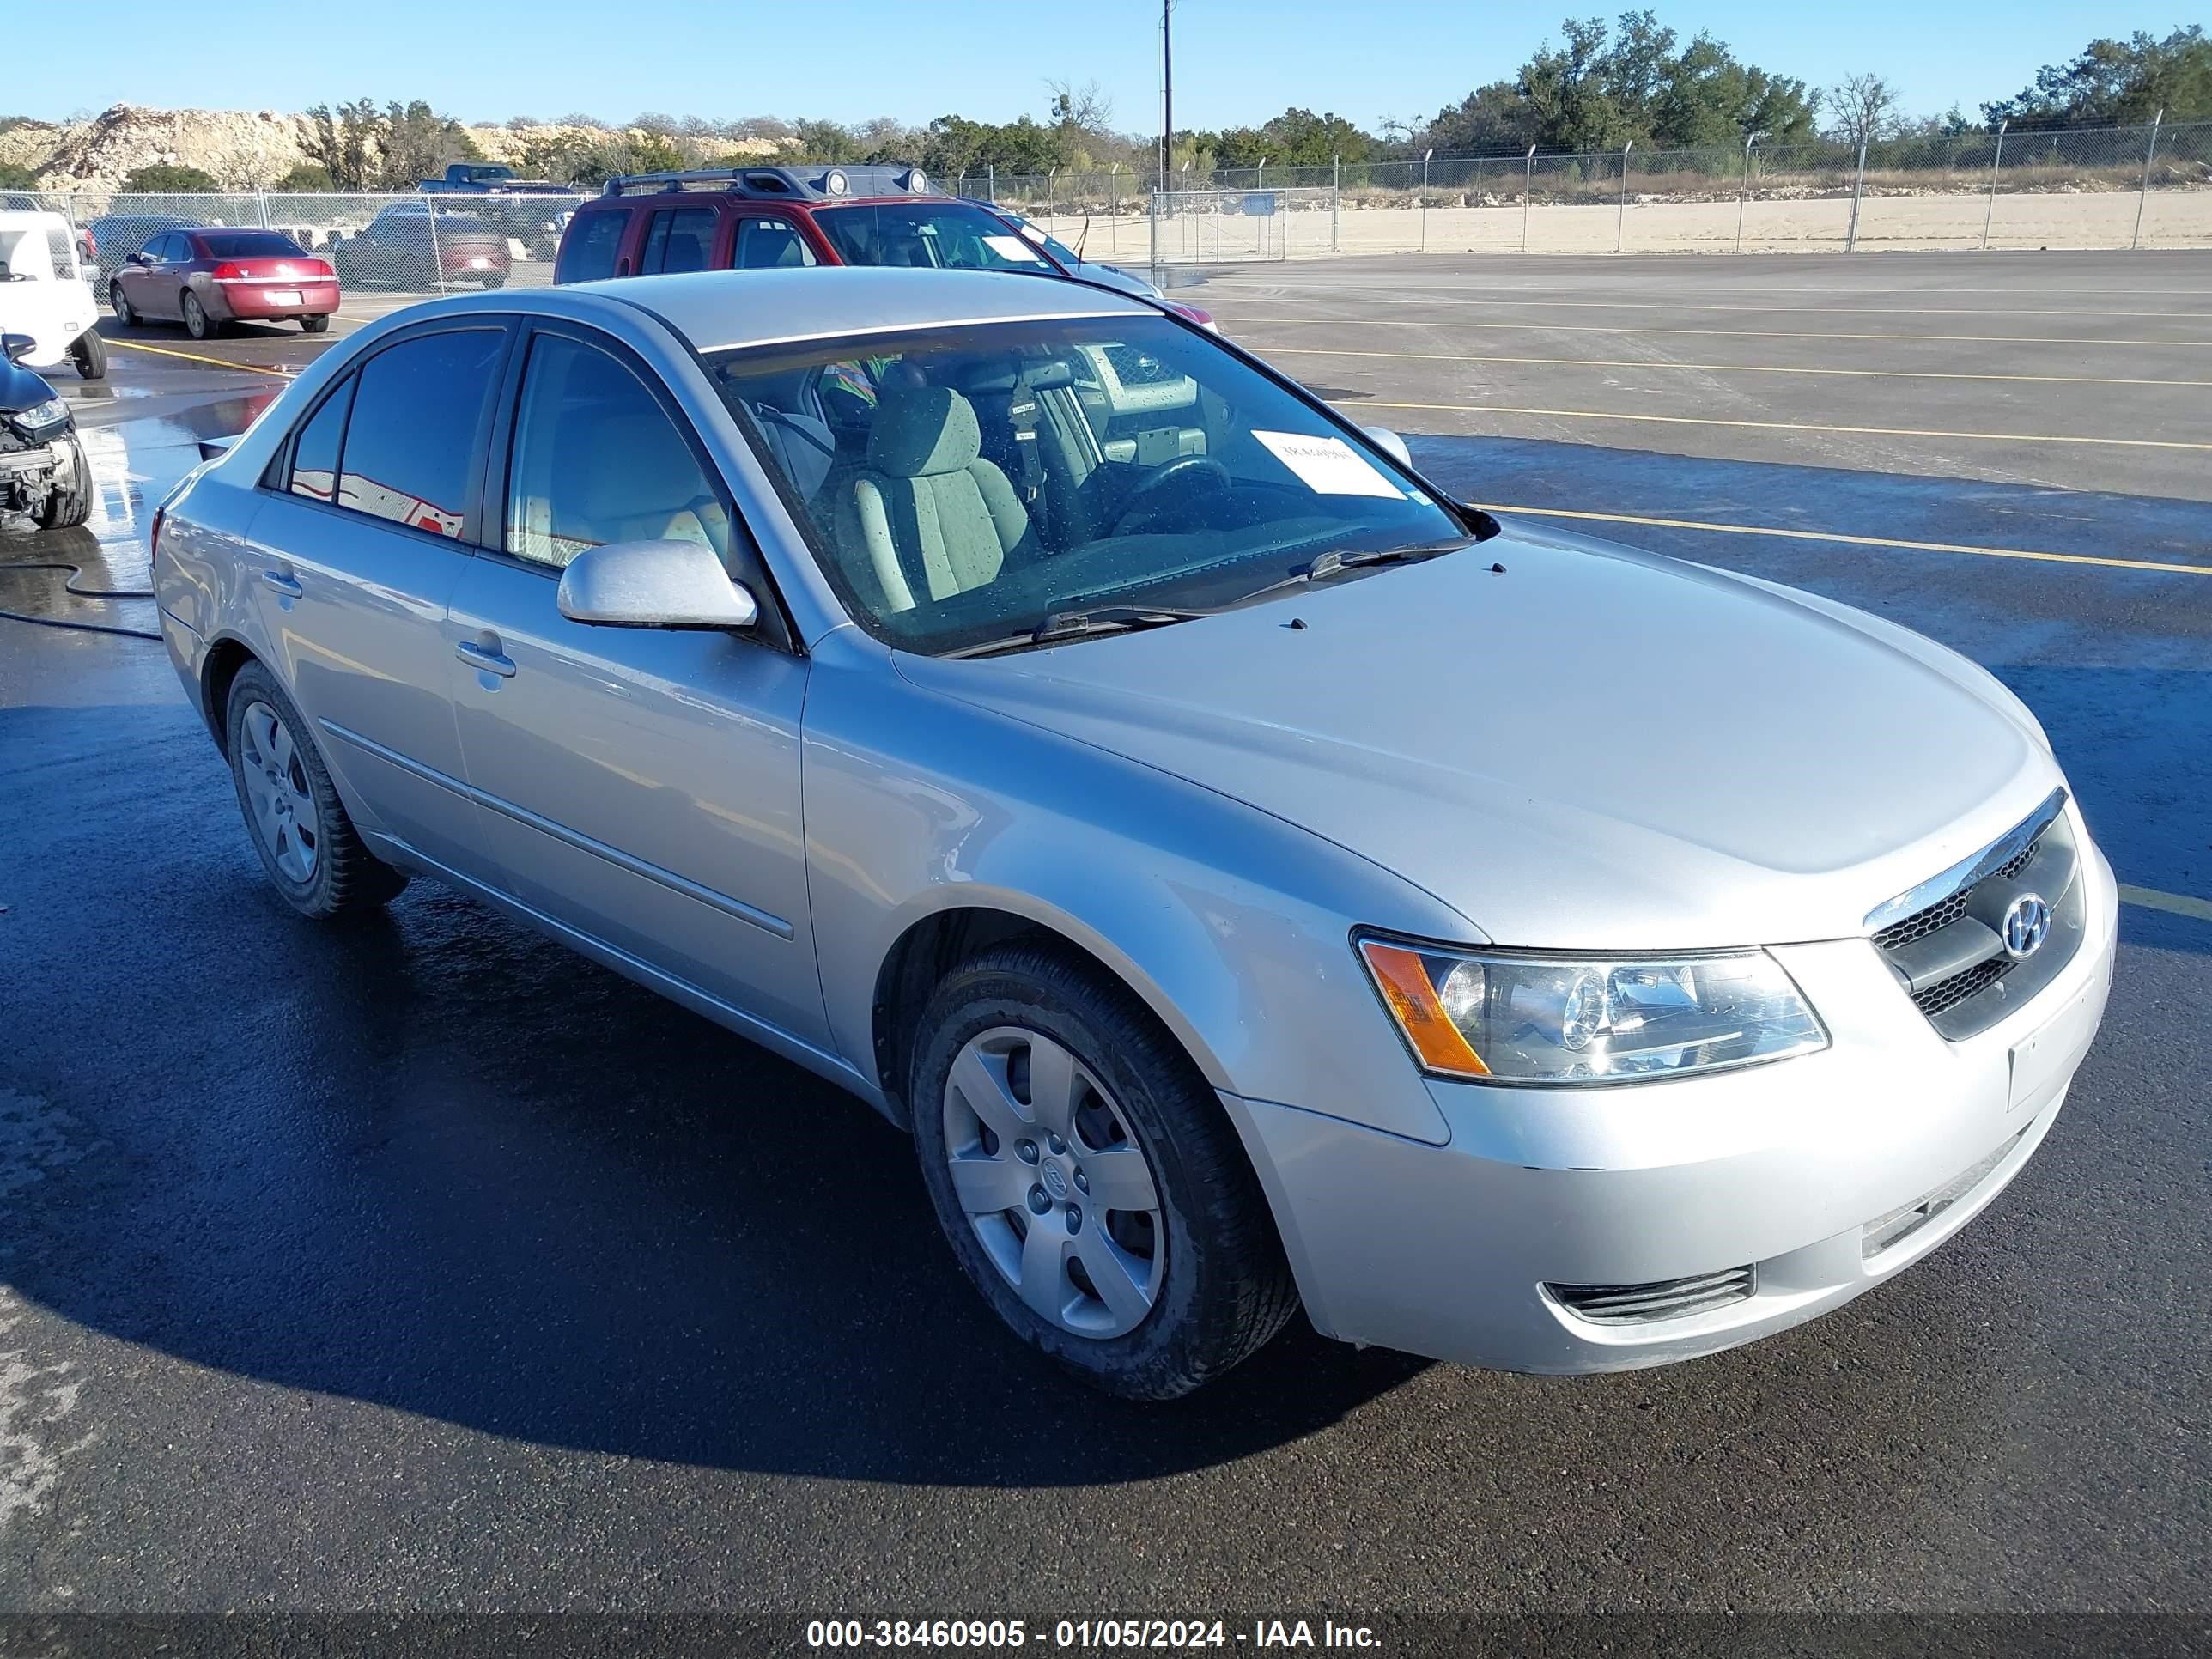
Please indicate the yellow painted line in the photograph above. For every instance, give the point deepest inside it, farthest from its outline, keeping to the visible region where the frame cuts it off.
(1698, 305)
(1729, 333)
(1837, 537)
(1789, 426)
(195, 357)
(1713, 369)
(2179, 904)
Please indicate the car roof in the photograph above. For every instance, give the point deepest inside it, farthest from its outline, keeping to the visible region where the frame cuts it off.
(719, 309)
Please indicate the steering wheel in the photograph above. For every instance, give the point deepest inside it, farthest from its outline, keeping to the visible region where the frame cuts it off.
(1163, 477)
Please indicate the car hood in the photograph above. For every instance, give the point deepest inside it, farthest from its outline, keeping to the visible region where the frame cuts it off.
(1594, 748)
(20, 389)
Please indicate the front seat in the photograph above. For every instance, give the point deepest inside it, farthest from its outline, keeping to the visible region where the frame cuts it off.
(925, 515)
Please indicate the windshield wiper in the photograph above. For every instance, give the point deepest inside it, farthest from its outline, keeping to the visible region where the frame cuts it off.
(1078, 625)
(1333, 562)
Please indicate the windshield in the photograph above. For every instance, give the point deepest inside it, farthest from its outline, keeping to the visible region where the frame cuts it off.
(949, 234)
(967, 485)
(249, 245)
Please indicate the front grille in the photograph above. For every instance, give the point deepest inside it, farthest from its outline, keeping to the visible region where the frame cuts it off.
(1947, 993)
(1942, 914)
(1662, 1298)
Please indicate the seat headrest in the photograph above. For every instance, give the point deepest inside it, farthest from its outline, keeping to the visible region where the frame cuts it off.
(923, 430)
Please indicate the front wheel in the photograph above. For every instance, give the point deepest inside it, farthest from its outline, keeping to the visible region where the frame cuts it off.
(308, 846)
(121, 304)
(1089, 1182)
(89, 353)
(69, 503)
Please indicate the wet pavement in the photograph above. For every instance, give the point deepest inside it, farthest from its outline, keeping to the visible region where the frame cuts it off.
(420, 1264)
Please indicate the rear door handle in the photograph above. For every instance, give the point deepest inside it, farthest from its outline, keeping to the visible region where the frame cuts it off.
(288, 586)
(484, 657)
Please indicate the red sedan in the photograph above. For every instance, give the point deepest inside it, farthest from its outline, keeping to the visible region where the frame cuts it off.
(209, 278)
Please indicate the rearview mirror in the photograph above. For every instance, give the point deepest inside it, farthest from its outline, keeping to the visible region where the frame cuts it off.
(654, 585)
(1389, 443)
(17, 346)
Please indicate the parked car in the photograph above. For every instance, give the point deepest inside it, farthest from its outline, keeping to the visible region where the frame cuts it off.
(1072, 261)
(43, 471)
(43, 294)
(765, 217)
(116, 236)
(207, 277)
(1251, 877)
(401, 247)
(87, 254)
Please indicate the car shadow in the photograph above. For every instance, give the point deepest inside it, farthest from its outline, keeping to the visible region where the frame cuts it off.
(437, 1163)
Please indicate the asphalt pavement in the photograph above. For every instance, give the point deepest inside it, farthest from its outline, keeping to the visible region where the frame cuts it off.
(422, 1266)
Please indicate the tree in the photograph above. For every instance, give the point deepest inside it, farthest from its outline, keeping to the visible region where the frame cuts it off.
(343, 141)
(2116, 83)
(1864, 108)
(414, 143)
(163, 178)
(15, 177)
(1495, 117)
(307, 176)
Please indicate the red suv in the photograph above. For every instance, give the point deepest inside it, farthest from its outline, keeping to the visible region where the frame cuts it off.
(755, 217)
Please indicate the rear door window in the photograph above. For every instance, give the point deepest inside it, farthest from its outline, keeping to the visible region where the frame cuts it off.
(315, 450)
(587, 253)
(412, 443)
(764, 244)
(680, 239)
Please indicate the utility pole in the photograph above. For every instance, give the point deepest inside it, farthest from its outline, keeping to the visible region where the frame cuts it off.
(1167, 90)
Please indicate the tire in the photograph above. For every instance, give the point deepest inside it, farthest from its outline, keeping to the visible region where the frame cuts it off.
(197, 323)
(89, 353)
(1223, 1290)
(121, 306)
(68, 504)
(314, 324)
(273, 760)
(497, 279)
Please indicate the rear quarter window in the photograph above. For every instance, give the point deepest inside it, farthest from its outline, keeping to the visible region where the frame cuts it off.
(588, 251)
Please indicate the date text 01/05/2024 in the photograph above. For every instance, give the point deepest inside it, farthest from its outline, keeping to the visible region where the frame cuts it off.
(1162, 1634)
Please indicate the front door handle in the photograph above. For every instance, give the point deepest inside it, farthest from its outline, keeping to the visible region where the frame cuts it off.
(485, 658)
(283, 583)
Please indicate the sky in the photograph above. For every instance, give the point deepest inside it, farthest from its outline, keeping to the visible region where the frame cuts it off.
(1238, 62)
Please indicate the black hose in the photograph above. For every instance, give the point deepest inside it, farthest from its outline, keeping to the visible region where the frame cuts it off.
(69, 587)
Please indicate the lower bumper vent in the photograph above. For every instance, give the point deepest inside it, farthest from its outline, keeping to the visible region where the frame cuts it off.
(1662, 1298)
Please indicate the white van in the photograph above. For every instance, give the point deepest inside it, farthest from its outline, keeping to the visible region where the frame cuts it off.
(43, 294)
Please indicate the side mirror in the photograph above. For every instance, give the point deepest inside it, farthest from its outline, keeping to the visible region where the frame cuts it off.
(654, 585)
(138, 258)
(1389, 443)
(17, 346)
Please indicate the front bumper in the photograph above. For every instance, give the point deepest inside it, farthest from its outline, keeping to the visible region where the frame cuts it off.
(1821, 1175)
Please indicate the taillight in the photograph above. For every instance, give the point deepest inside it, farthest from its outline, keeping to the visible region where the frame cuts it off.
(228, 271)
(1202, 318)
(321, 268)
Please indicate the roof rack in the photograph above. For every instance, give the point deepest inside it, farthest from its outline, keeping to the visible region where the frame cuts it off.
(812, 184)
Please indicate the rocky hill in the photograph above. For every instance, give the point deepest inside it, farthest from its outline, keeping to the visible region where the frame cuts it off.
(241, 149)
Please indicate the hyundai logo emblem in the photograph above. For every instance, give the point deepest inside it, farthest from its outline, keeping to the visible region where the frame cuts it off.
(2026, 924)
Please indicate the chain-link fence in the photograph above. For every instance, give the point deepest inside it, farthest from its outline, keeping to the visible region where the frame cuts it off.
(2145, 186)
(404, 244)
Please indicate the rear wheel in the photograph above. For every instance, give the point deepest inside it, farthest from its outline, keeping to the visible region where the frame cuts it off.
(197, 323)
(497, 279)
(89, 353)
(1089, 1182)
(69, 503)
(307, 843)
(314, 324)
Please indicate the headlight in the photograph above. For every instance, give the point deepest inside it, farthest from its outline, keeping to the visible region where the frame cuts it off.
(1513, 1018)
(34, 422)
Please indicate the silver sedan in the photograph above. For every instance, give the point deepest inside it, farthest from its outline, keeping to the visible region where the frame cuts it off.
(1255, 880)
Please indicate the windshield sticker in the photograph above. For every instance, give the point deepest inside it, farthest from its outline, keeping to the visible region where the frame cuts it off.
(1012, 247)
(1328, 466)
